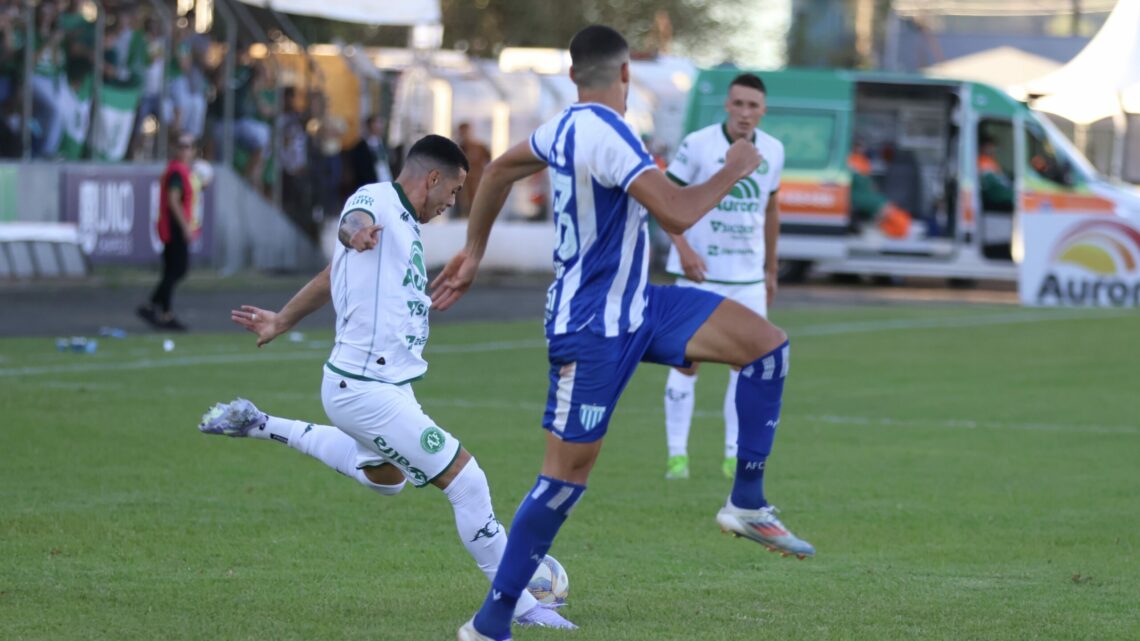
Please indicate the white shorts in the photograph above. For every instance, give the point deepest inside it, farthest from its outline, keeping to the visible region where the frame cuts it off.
(754, 296)
(389, 427)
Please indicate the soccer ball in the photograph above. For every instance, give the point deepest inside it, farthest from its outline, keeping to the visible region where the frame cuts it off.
(549, 585)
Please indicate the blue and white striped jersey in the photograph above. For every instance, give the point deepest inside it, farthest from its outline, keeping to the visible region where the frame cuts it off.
(601, 254)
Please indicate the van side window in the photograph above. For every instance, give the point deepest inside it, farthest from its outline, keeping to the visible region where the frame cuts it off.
(995, 165)
(809, 138)
(1042, 159)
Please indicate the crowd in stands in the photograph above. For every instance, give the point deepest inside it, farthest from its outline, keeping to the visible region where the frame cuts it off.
(143, 55)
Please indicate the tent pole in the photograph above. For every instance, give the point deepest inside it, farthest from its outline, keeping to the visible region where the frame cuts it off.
(1119, 127)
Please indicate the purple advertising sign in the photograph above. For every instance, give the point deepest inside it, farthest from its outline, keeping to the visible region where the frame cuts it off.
(116, 210)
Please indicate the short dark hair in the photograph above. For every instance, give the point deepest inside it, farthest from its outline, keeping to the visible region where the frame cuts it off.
(439, 151)
(596, 52)
(750, 80)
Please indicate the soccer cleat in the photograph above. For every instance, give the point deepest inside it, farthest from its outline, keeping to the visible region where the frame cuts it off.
(677, 467)
(235, 418)
(468, 633)
(729, 467)
(765, 528)
(544, 616)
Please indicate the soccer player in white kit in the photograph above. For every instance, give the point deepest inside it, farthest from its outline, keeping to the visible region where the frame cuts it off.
(731, 251)
(377, 282)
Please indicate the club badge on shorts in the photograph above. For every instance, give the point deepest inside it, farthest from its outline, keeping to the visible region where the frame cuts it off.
(432, 440)
(591, 415)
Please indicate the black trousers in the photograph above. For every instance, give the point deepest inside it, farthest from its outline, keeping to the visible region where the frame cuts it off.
(175, 263)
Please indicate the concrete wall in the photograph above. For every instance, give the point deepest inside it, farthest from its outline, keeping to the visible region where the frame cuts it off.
(248, 231)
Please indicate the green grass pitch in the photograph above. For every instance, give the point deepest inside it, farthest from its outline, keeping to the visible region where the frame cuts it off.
(964, 472)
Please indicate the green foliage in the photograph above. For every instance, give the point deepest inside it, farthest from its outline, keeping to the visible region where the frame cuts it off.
(485, 25)
(482, 27)
(968, 474)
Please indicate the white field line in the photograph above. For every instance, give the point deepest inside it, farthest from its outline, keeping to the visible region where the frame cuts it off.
(535, 409)
(231, 357)
(955, 424)
(951, 322)
(828, 329)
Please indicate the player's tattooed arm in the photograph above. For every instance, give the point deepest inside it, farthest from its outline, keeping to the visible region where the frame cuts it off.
(359, 231)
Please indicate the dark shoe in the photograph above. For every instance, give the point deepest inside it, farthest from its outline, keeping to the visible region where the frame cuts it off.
(148, 314)
(172, 324)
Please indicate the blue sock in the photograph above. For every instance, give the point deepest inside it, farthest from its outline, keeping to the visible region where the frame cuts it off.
(542, 512)
(759, 393)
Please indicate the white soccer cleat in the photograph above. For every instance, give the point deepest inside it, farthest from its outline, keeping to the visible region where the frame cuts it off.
(544, 616)
(468, 633)
(235, 418)
(765, 528)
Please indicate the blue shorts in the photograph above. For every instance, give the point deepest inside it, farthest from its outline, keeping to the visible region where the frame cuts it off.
(588, 372)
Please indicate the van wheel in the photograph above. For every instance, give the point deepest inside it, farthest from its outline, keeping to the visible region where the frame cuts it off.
(793, 271)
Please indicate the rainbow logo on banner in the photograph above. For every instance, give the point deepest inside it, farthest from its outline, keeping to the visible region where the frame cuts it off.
(1102, 247)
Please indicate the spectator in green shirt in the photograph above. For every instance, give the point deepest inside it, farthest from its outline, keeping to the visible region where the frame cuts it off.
(47, 76)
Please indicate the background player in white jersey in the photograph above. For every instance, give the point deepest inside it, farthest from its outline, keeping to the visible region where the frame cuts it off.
(730, 251)
(377, 283)
(603, 318)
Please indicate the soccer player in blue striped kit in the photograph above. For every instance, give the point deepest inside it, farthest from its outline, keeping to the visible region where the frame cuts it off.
(603, 317)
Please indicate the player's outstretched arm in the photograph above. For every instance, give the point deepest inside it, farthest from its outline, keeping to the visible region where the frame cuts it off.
(456, 278)
(678, 208)
(269, 325)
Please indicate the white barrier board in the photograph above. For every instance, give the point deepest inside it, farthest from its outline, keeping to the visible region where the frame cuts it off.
(1080, 261)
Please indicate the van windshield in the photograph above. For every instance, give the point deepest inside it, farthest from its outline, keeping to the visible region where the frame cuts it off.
(1066, 148)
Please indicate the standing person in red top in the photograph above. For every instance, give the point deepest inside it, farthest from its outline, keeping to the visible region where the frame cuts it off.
(175, 230)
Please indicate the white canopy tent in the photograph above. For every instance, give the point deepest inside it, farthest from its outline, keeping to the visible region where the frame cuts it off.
(1102, 81)
(379, 12)
(1006, 67)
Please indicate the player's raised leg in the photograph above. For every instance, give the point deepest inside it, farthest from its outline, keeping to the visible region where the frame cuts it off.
(463, 482)
(735, 335)
(329, 445)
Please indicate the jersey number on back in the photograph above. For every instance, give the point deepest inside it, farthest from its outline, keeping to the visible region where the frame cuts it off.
(567, 235)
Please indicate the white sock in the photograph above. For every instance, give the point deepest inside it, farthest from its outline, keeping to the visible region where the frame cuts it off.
(482, 534)
(325, 443)
(731, 422)
(678, 411)
(272, 425)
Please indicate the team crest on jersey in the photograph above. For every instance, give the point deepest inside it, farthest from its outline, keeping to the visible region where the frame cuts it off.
(432, 440)
(591, 415)
(763, 168)
(416, 274)
(361, 200)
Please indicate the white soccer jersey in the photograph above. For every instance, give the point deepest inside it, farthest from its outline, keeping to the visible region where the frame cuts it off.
(730, 237)
(601, 255)
(380, 295)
